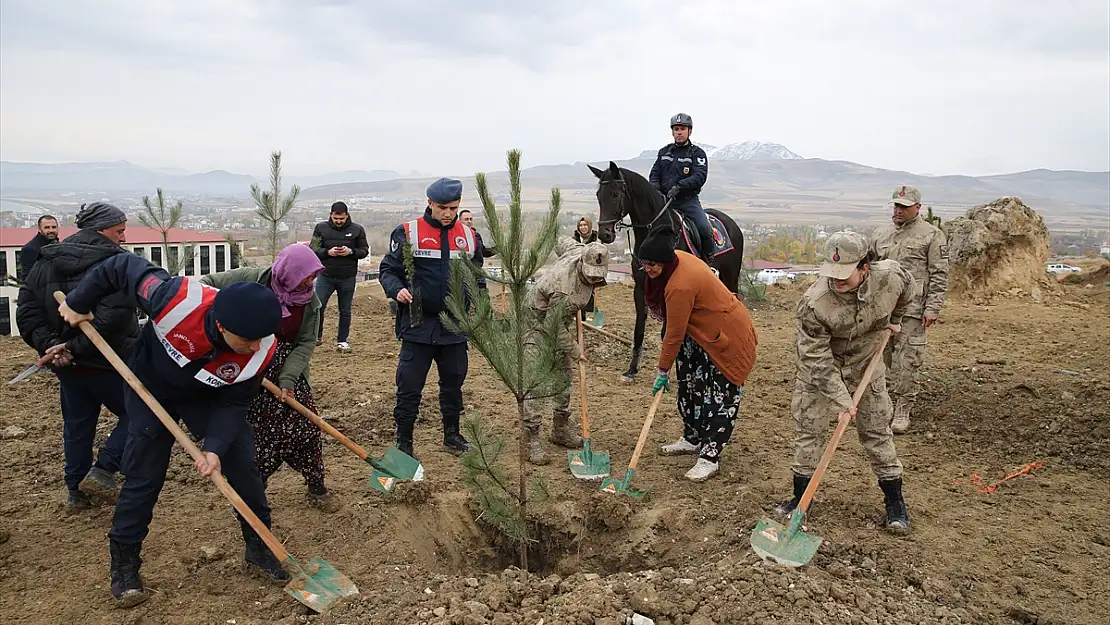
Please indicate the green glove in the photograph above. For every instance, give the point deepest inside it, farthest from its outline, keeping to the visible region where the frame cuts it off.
(662, 381)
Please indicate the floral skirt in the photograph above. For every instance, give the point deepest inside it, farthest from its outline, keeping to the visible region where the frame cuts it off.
(281, 434)
(708, 402)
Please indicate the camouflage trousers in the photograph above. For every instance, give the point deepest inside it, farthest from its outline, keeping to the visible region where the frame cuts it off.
(534, 408)
(904, 356)
(813, 415)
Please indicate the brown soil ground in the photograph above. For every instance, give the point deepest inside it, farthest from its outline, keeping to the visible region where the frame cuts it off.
(1004, 386)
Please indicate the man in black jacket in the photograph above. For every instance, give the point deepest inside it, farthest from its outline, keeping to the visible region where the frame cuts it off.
(679, 172)
(340, 243)
(29, 253)
(86, 379)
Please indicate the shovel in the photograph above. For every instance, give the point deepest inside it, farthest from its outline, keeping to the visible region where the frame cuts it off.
(40, 365)
(789, 545)
(611, 485)
(586, 464)
(597, 320)
(395, 465)
(314, 583)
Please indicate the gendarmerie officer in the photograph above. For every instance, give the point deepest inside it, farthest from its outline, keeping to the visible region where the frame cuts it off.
(427, 245)
(680, 171)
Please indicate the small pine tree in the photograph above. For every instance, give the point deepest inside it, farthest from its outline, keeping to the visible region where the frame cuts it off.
(527, 361)
(163, 219)
(271, 206)
(930, 217)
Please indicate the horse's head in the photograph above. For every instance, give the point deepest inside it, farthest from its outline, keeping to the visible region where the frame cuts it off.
(612, 199)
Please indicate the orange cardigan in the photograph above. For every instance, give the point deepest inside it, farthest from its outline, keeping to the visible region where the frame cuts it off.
(699, 304)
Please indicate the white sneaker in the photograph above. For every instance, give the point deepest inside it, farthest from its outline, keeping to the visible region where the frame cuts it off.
(703, 470)
(679, 448)
(343, 346)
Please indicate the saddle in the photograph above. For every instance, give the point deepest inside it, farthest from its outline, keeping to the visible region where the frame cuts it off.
(720, 244)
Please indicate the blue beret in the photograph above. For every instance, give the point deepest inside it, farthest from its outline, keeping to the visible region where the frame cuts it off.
(445, 190)
(248, 310)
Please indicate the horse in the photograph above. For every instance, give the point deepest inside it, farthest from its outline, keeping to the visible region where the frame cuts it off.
(624, 193)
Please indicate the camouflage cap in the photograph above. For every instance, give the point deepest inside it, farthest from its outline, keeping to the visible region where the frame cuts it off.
(906, 195)
(843, 251)
(595, 261)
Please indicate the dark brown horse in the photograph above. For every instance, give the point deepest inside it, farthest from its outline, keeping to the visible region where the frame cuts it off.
(623, 193)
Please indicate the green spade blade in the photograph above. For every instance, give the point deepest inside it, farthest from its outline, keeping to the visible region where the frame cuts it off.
(316, 583)
(789, 546)
(598, 319)
(394, 466)
(614, 486)
(587, 464)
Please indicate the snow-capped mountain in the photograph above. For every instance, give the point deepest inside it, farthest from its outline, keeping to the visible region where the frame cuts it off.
(745, 151)
(752, 151)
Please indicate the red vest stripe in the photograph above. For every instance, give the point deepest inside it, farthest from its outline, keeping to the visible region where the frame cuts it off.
(426, 242)
(180, 328)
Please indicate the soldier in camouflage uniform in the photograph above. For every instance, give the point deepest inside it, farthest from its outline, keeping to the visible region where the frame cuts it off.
(571, 279)
(840, 321)
(922, 249)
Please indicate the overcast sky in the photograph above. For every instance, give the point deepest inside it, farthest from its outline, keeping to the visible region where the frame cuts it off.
(446, 87)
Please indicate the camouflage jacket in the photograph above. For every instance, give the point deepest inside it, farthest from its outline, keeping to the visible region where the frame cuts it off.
(561, 282)
(922, 249)
(838, 332)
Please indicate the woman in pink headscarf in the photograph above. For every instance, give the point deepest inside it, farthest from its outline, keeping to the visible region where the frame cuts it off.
(281, 434)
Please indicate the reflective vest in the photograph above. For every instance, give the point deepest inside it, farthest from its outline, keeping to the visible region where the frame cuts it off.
(180, 328)
(426, 243)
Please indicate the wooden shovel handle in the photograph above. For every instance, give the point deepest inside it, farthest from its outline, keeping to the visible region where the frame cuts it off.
(645, 430)
(217, 478)
(315, 418)
(627, 342)
(582, 383)
(842, 424)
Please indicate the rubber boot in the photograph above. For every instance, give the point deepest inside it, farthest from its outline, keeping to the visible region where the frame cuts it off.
(100, 483)
(564, 433)
(897, 515)
(536, 455)
(127, 584)
(77, 500)
(453, 441)
(257, 556)
(786, 508)
(404, 438)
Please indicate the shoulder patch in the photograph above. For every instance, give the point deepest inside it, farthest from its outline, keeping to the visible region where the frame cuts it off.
(944, 252)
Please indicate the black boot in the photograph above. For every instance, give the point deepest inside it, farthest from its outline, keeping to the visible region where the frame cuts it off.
(258, 556)
(404, 438)
(78, 500)
(127, 584)
(801, 482)
(897, 515)
(453, 441)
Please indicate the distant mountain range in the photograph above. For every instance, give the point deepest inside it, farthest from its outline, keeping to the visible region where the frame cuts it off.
(744, 151)
(122, 176)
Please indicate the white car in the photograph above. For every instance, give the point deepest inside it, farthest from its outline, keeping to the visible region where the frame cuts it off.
(772, 276)
(1061, 268)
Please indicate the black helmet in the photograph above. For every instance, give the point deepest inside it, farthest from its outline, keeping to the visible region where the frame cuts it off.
(682, 119)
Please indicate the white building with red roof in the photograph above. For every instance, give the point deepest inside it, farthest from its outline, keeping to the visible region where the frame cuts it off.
(211, 254)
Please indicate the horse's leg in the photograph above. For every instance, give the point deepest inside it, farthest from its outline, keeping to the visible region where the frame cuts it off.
(638, 333)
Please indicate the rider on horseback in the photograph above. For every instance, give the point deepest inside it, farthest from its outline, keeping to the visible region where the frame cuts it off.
(679, 172)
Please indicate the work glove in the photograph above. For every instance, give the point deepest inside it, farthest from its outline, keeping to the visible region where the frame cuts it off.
(673, 193)
(662, 382)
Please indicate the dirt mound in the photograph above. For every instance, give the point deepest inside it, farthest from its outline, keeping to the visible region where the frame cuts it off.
(1098, 277)
(998, 248)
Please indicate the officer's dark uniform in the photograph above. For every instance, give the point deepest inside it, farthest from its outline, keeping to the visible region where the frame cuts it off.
(217, 414)
(90, 381)
(686, 168)
(430, 340)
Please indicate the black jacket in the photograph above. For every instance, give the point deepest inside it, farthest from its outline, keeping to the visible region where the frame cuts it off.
(684, 166)
(60, 267)
(432, 277)
(326, 236)
(175, 387)
(29, 254)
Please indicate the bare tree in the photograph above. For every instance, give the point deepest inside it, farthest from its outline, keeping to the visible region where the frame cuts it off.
(164, 218)
(272, 207)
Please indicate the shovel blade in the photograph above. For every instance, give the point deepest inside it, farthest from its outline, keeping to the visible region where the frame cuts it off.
(614, 486)
(587, 464)
(774, 541)
(316, 583)
(28, 372)
(394, 466)
(598, 319)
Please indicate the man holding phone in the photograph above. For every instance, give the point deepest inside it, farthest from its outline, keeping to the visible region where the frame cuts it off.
(339, 243)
